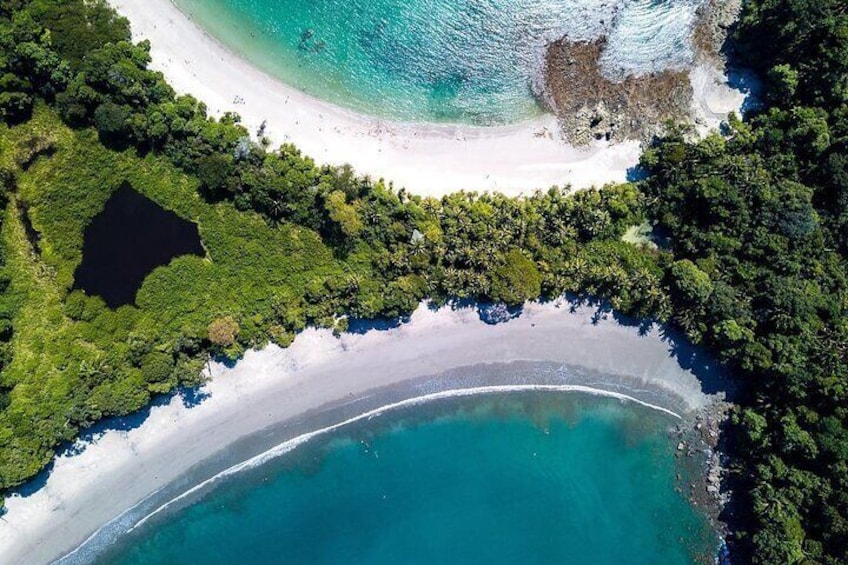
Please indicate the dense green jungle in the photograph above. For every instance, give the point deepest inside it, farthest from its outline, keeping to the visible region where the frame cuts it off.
(755, 221)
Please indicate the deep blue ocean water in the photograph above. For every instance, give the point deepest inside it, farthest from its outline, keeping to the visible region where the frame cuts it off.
(469, 61)
(521, 478)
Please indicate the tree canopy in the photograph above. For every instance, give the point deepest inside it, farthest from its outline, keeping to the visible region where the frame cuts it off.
(756, 219)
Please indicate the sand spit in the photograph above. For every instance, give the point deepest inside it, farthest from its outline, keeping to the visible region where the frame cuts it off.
(555, 344)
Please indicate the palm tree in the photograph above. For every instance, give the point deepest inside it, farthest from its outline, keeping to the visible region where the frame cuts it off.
(277, 208)
(576, 266)
(418, 246)
(500, 238)
(464, 223)
(94, 371)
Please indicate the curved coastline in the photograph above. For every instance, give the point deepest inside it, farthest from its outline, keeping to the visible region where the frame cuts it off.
(427, 159)
(161, 502)
(252, 406)
(292, 444)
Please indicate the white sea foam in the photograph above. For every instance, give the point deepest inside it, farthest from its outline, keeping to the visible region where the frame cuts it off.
(650, 36)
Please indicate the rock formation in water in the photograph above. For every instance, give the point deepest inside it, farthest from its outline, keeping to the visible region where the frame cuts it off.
(590, 106)
(709, 37)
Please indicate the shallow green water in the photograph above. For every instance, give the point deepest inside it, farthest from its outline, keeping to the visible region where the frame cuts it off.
(471, 61)
(555, 478)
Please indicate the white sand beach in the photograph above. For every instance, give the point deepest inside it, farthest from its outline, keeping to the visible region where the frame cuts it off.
(425, 159)
(714, 99)
(118, 469)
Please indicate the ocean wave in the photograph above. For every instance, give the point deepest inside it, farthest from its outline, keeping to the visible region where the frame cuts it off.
(130, 520)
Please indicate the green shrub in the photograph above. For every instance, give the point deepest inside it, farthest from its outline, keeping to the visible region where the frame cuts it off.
(516, 279)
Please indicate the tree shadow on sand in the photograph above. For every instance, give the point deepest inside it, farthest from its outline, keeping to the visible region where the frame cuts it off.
(712, 376)
(189, 397)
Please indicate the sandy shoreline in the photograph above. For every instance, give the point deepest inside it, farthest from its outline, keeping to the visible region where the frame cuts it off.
(427, 159)
(435, 351)
(163, 502)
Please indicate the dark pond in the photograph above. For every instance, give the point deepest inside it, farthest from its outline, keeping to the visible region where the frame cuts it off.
(131, 236)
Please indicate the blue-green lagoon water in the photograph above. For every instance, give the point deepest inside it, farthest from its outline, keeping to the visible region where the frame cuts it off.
(469, 61)
(521, 478)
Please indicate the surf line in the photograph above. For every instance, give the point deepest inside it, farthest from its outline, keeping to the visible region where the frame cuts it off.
(291, 444)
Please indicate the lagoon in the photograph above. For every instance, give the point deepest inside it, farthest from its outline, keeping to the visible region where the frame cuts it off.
(126, 241)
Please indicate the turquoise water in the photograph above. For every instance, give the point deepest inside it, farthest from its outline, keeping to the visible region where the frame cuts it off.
(470, 61)
(554, 478)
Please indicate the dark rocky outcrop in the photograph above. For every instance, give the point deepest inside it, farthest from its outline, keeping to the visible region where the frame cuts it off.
(590, 106)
